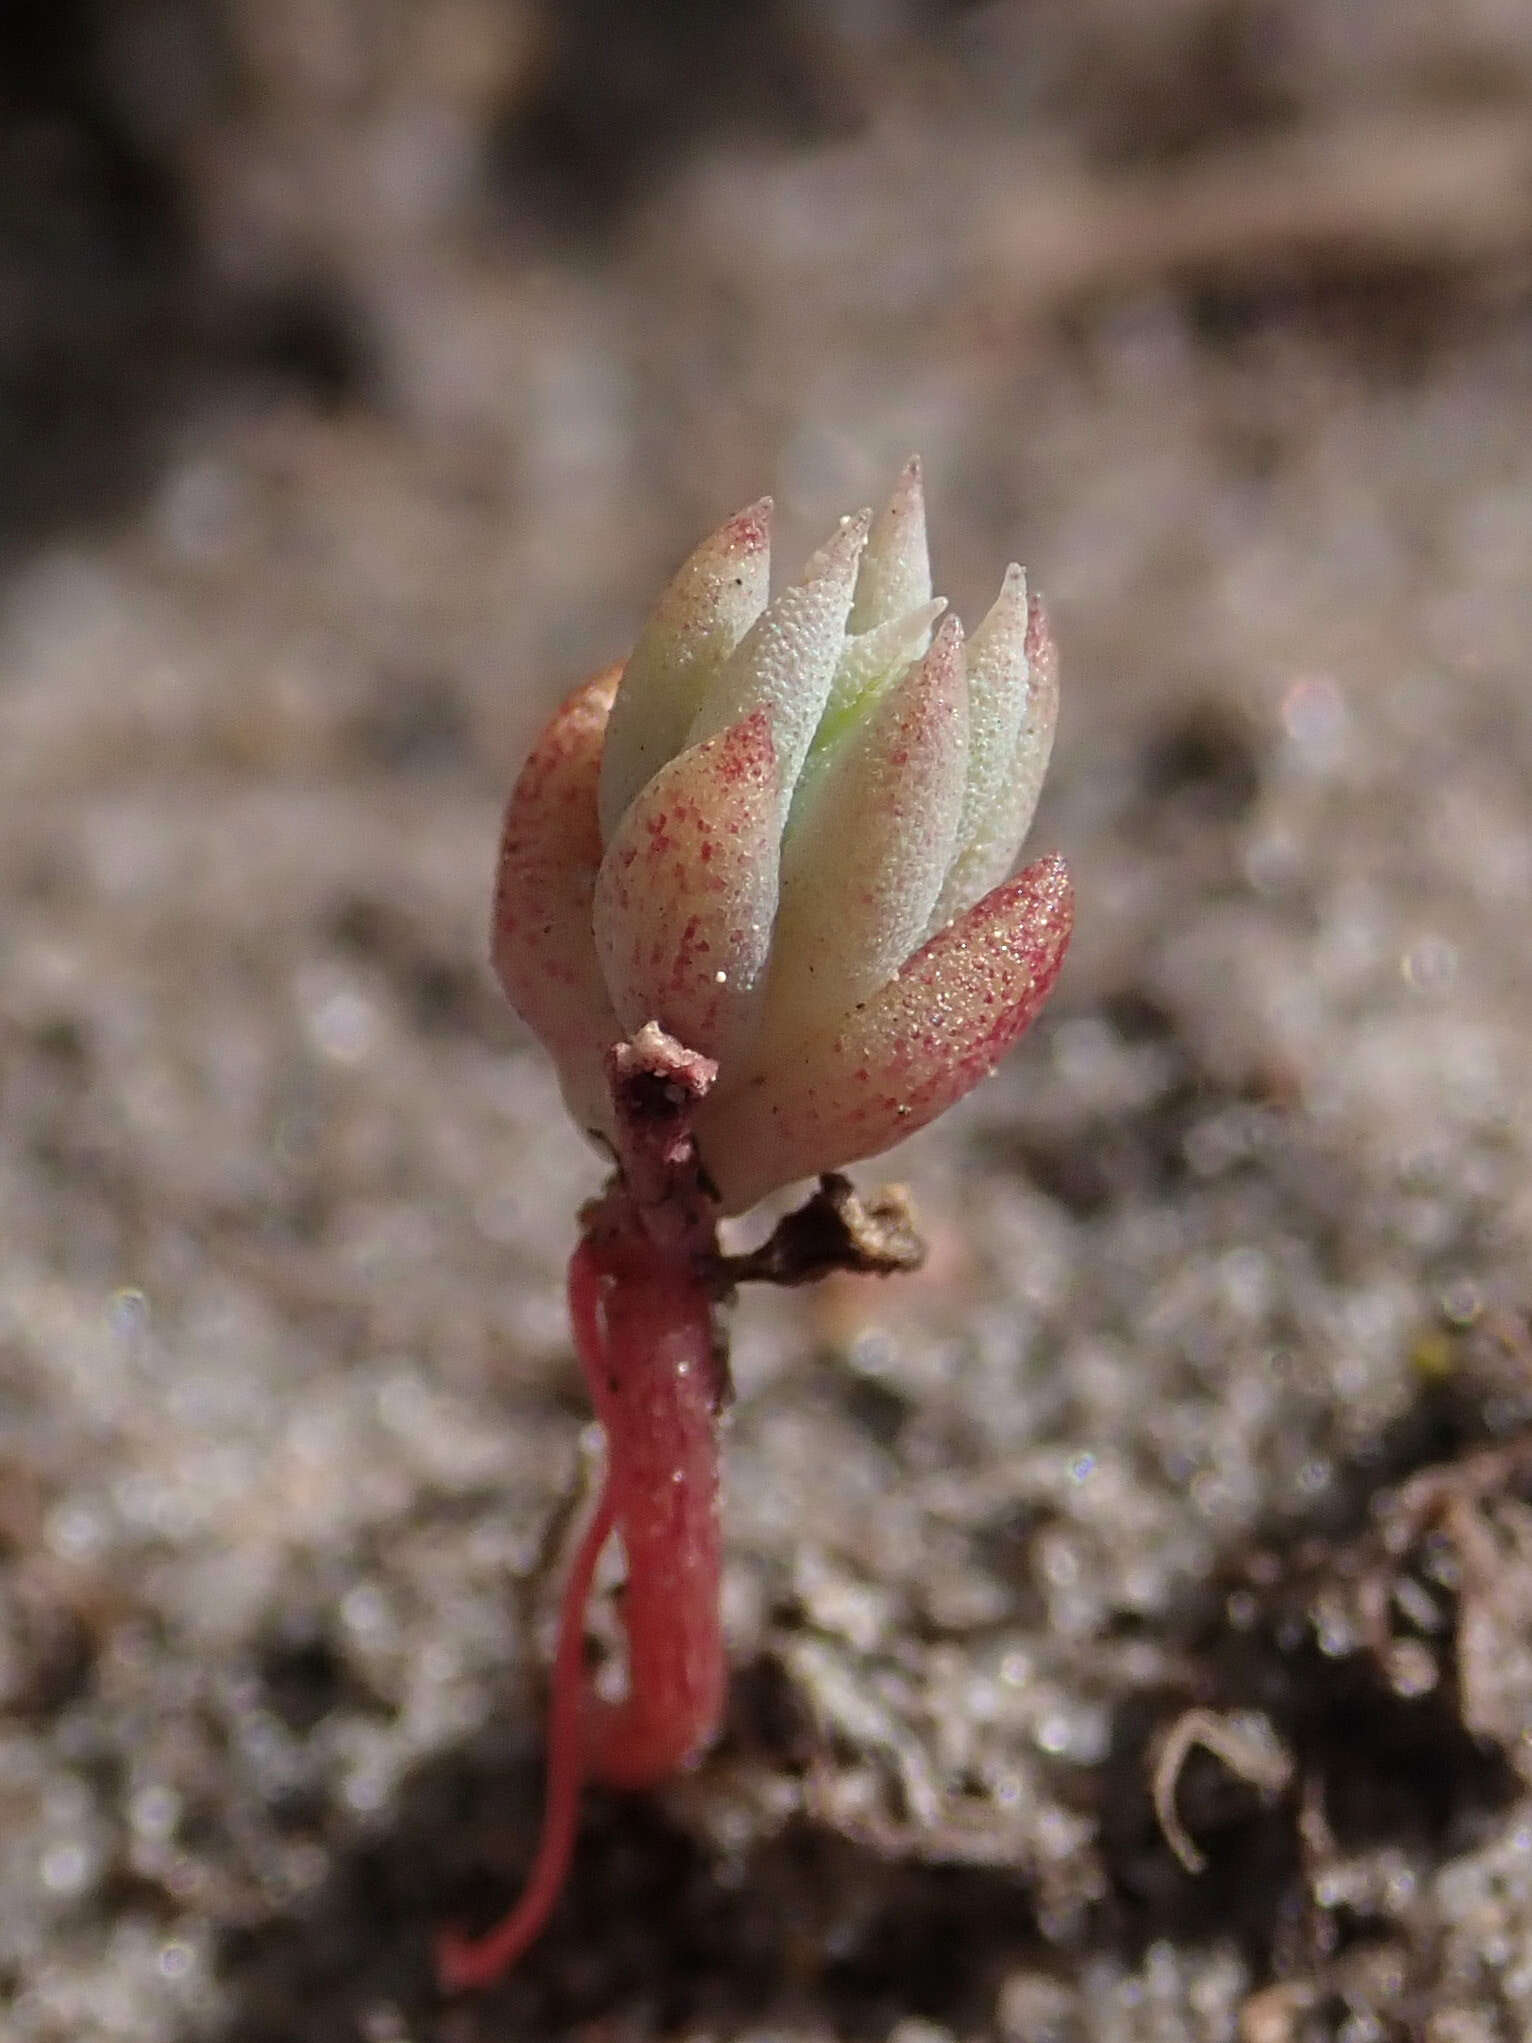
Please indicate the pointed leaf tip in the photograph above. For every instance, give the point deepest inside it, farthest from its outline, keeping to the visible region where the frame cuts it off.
(841, 551)
(786, 661)
(701, 616)
(749, 530)
(1013, 699)
(895, 574)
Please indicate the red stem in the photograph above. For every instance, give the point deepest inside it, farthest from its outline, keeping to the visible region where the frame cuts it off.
(655, 1389)
(644, 1333)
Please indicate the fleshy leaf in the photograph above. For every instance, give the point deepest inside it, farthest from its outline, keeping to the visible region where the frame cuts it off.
(902, 1057)
(785, 662)
(895, 576)
(870, 661)
(705, 611)
(687, 891)
(869, 841)
(998, 816)
(542, 944)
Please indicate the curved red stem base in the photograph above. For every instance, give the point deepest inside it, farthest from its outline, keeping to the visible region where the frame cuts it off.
(643, 1329)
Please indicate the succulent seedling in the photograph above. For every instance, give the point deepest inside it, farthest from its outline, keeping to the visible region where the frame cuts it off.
(753, 899)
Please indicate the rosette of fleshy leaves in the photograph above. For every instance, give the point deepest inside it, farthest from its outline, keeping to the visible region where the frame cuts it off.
(782, 831)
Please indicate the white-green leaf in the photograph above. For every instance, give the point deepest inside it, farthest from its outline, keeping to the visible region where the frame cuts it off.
(700, 618)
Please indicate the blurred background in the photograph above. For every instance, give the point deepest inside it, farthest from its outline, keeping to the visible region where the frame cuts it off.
(365, 365)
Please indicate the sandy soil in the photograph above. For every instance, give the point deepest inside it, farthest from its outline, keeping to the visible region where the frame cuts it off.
(363, 367)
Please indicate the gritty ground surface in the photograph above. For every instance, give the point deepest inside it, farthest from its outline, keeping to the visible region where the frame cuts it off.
(365, 367)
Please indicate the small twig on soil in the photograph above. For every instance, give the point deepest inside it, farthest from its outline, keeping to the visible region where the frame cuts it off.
(1247, 1745)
